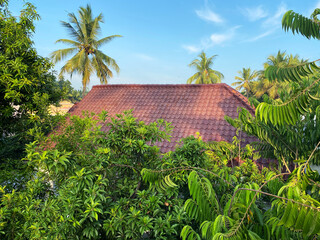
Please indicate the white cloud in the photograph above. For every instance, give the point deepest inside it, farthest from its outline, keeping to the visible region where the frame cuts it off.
(208, 15)
(275, 20)
(254, 14)
(217, 39)
(221, 38)
(191, 48)
(214, 40)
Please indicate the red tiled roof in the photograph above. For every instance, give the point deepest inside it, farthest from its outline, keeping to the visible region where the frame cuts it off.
(190, 107)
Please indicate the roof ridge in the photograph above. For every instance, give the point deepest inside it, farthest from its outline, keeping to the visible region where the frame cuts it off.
(238, 95)
(158, 85)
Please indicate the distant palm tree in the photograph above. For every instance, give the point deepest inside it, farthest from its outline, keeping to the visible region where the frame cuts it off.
(205, 74)
(245, 80)
(264, 86)
(88, 58)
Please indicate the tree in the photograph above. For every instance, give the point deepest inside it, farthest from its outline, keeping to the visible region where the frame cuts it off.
(205, 74)
(27, 88)
(68, 92)
(88, 59)
(245, 80)
(87, 183)
(273, 88)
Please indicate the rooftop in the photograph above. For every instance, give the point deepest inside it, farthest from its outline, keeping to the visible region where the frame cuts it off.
(190, 108)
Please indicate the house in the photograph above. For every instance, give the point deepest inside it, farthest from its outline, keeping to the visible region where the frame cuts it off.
(191, 108)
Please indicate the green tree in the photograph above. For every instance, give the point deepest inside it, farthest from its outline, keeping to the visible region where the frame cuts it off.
(68, 92)
(205, 74)
(87, 184)
(243, 202)
(273, 88)
(245, 80)
(88, 59)
(27, 88)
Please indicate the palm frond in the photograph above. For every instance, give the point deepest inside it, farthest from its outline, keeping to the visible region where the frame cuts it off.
(102, 70)
(194, 77)
(300, 24)
(72, 31)
(73, 65)
(108, 60)
(288, 112)
(68, 41)
(80, 35)
(188, 233)
(60, 54)
(291, 74)
(105, 40)
(95, 28)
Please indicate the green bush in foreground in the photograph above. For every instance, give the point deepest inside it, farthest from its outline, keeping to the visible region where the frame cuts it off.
(114, 184)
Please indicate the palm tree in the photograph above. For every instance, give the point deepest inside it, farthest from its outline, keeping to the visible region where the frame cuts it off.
(245, 80)
(84, 44)
(264, 86)
(205, 74)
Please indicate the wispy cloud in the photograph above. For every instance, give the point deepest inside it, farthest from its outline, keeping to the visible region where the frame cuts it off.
(208, 15)
(275, 20)
(255, 13)
(144, 57)
(215, 39)
(191, 48)
(265, 34)
(270, 24)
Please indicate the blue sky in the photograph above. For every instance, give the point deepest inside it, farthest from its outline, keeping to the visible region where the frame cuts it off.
(161, 37)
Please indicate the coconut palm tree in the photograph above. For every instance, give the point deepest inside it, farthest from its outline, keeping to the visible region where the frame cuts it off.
(205, 74)
(245, 80)
(84, 44)
(264, 86)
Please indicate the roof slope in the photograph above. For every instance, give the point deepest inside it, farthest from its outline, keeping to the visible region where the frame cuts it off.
(190, 107)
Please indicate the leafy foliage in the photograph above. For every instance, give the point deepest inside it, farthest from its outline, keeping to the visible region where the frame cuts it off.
(27, 89)
(287, 113)
(243, 214)
(296, 106)
(86, 183)
(300, 24)
(68, 92)
(291, 73)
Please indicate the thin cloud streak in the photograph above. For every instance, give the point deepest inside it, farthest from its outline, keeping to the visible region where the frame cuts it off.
(275, 20)
(208, 15)
(260, 36)
(254, 14)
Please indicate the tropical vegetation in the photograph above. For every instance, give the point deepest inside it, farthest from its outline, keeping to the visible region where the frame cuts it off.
(84, 182)
(84, 43)
(205, 74)
(244, 83)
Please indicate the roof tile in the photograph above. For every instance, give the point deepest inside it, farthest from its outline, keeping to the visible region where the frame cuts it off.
(190, 107)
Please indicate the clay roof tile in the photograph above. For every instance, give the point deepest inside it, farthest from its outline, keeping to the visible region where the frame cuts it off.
(190, 107)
